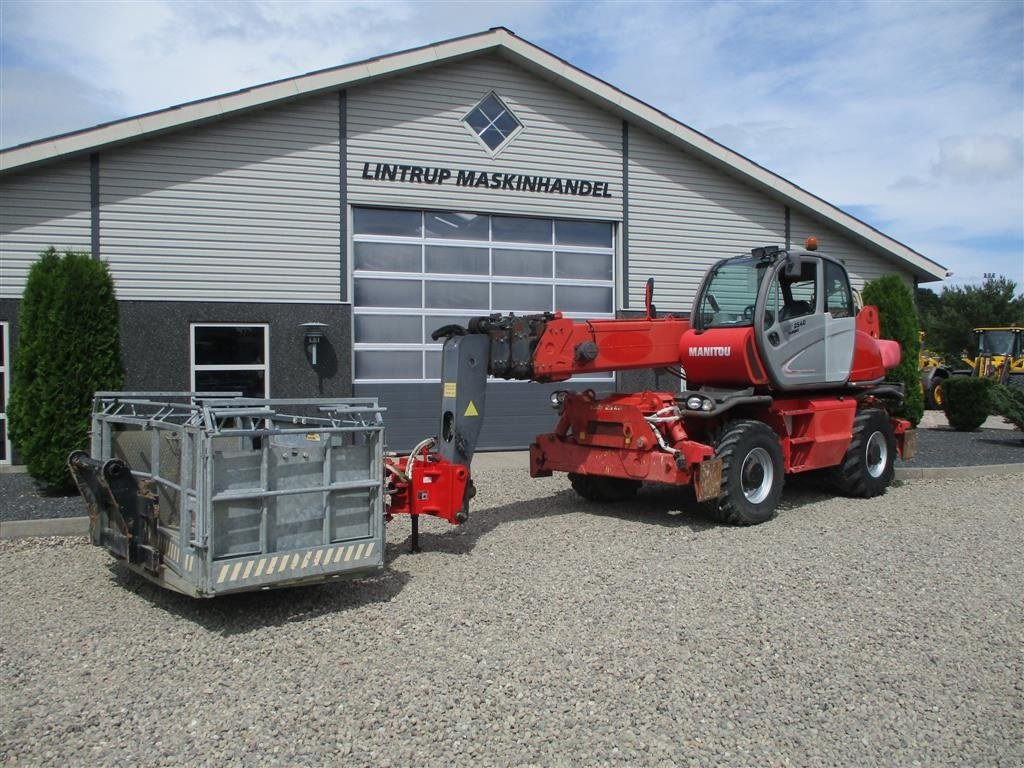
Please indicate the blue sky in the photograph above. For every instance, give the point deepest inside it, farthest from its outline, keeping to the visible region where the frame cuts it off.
(909, 115)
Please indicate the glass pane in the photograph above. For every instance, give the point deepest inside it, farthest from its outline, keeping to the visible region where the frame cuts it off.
(453, 260)
(389, 365)
(249, 383)
(3, 345)
(387, 293)
(584, 266)
(388, 257)
(515, 229)
(506, 124)
(477, 120)
(597, 233)
(433, 362)
(581, 298)
(522, 298)
(389, 329)
(492, 137)
(837, 291)
(451, 295)
(377, 221)
(491, 107)
(433, 322)
(522, 263)
(229, 345)
(457, 226)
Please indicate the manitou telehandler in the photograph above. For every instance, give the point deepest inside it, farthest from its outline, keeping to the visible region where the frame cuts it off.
(783, 374)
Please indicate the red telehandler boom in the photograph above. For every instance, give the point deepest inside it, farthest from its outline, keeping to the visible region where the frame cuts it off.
(783, 373)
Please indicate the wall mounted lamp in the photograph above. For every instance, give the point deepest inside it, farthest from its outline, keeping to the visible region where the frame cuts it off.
(312, 334)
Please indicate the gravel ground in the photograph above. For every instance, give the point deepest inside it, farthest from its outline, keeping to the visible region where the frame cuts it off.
(551, 632)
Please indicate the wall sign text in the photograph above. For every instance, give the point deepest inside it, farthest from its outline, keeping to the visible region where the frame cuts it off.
(506, 182)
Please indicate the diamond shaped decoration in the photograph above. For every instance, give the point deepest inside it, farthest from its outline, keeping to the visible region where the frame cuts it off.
(492, 122)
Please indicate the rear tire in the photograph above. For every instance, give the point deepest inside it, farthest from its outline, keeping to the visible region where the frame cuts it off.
(752, 474)
(868, 466)
(603, 489)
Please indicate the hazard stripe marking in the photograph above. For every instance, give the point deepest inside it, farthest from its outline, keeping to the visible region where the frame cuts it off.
(305, 560)
(234, 573)
(259, 566)
(248, 569)
(223, 574)
(369, 549)
(316, 559)
(359, 552)
(348, 554)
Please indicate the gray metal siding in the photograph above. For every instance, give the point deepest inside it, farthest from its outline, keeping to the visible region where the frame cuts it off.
(862, 264)
(683, 216)
(417, 119)
(246, 209)
(44, 207)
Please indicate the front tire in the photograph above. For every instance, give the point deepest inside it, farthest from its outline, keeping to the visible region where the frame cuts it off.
(868, 466)
(752, 474)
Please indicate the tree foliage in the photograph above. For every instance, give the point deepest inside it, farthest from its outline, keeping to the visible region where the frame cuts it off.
(949, 318)
(68, 348)
(1008, 402)
(895, 303)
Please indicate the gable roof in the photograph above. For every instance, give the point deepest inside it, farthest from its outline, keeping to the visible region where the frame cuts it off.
(506, 44)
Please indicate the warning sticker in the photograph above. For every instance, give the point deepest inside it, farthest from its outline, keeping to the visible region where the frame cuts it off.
(313, 437)
(471, 410)
(449, 389)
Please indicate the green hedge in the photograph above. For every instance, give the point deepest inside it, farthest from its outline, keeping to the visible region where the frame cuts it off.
(895, 303)
(1008, 402)
(967, 402)
(68, 348)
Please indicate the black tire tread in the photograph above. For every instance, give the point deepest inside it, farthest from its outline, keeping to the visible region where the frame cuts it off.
(851, 477)
(723, 509)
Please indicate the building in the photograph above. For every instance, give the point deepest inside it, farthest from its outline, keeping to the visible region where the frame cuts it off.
(387, 198)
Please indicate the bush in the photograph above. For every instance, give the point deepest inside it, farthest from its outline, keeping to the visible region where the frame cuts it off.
(1008, 402)
(967, 401)
(895, 303)
(68, 348)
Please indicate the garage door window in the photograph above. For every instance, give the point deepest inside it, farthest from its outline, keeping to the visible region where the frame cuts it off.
(231, 358)
(416, 271)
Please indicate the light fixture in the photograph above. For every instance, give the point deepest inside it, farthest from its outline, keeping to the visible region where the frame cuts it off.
(312, 334)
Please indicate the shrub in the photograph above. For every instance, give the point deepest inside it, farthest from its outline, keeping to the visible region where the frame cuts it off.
(895, 303)
(967, 401)
(1008, 402)
(68, 348)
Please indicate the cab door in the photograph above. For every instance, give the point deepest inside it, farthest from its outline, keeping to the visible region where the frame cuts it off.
(802, 345)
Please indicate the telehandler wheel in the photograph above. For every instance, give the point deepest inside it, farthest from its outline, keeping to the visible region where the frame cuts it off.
(867, 469)
(603, 489)
(752, 474)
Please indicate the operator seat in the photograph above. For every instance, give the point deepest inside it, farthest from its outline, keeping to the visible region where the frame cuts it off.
(796, 309)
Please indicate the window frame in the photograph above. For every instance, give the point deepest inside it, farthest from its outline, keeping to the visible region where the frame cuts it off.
(195, 367)
(5, 371)
(464, 120)
(551, 281)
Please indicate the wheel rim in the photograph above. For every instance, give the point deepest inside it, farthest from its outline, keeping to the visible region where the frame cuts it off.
(757, 475)
(876, 454)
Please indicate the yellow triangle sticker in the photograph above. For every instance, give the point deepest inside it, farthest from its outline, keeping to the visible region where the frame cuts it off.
(471, 410)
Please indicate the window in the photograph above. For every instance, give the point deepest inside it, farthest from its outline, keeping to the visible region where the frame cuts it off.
(424, 270)
(5, 391)
(231, 358)
(838, 299)
(492, 122)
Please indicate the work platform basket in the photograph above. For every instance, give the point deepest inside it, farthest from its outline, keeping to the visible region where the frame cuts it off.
(208, 494)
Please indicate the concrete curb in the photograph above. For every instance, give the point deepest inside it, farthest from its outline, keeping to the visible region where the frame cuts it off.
(930, 473)
(58, 526)
(79, 526)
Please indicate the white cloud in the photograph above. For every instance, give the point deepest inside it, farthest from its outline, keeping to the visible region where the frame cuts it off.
(979, 159)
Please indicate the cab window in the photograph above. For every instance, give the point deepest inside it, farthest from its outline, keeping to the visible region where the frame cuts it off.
(838, 298)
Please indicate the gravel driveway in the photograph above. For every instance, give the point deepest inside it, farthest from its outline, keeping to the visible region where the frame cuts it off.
(550, 632)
